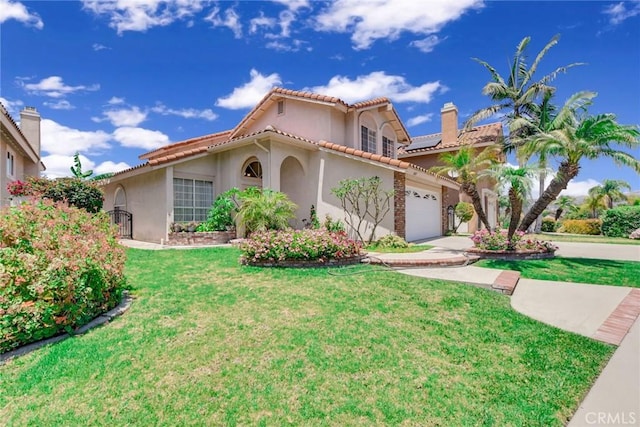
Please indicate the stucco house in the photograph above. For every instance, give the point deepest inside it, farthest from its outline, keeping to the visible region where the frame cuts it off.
(296, 142)
(424, 151)
(19, 149)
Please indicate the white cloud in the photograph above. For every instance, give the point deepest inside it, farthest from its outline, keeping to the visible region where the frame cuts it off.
(16, 10)
(231, 20)
(427, 44)
(62, 140)
(187, 113)
(59, 165)
(135, 137)
(293, 46)
(259, 22)
(293, 5)
(11, 106)
(98, 47)
(124, 117)
(109, 167)
(249, 94)
(115, 101)
(417, 120)
(371, 20)
(377, 84)
(54, 87)
(619, 12)
(61, 104)
(140, 15)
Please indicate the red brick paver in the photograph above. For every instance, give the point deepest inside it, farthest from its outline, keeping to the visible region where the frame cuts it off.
(506, 282)
(614, 329)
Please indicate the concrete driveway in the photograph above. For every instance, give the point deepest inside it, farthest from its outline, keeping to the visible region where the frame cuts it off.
(566, 249)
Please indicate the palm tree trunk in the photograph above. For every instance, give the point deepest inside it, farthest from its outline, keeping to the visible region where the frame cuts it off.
(516, 211)
(566, 172)
(538, 227)
(470, 190)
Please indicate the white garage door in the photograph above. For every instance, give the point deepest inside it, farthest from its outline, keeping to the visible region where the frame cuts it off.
(423, 214)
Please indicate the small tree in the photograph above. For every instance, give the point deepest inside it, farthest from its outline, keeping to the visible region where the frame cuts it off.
(365, 204)
(464, 212)
(76, 169)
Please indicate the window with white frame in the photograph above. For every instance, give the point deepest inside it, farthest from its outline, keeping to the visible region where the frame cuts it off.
(192, 199)
(388, 147)
(368, 139)
(11, 165)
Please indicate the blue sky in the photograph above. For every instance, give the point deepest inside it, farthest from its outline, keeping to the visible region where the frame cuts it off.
(115, 79)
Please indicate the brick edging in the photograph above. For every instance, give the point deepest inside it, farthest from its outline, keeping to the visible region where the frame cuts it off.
(442, 262)
(617, 325)
(506, 282)
(341, 262)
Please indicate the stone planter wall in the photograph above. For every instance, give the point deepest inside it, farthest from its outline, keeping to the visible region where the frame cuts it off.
(307, 263)
(511, 255)
(187, 238)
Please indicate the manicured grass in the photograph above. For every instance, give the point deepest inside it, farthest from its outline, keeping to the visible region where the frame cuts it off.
(208, 342)
(562, 237)
(576, 270)
(411, 248)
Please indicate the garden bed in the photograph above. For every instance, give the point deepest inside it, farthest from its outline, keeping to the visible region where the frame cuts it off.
(520, 254)
(305, 263)
(188, 238)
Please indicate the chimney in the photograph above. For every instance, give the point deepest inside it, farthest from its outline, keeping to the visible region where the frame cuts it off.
(449, 114)
(30, 127)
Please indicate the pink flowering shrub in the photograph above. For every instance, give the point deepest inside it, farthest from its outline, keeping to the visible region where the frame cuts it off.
(307, 244)
(19, 188)
(59, 268)
(497, 241)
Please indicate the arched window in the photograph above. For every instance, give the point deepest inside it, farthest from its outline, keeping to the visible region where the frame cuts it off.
(368, 133)
(252, 173)
(120, 199)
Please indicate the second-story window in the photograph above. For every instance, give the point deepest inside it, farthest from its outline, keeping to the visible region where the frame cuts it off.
(11, 165)
(368, 139)
(388, 147)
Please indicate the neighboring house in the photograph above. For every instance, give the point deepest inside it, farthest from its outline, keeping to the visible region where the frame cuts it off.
(19, 149)
(425, 150)
(299, 143)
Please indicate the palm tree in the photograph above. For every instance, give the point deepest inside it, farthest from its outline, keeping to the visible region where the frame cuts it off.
(518, 93)
(594, 201)
(611, 189)
(564, 203)
(519, 181)
(266, 209)
(466, 167)
(574, 135)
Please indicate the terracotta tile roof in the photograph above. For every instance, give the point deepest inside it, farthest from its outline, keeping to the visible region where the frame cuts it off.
(130, 169)
(371, 103)
(186, 145)
(489, 133)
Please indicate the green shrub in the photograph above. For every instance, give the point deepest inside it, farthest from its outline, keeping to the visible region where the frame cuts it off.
(581, 226)
(222, 213)
(549, 224)
(621, 221)
(59, 268)
(333, 225)
(266, 209)
(75, 191)
(391, 241)
(306, 244)
(464, 211)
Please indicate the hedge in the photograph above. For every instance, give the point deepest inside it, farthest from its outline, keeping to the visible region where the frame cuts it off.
(621, 221)
(59, 268)
(581, 226)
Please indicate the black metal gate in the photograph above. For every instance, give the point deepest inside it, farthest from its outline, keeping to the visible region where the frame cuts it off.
(124, 221)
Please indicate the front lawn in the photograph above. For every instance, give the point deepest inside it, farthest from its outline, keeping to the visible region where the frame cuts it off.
(208, 342)
(576, 270)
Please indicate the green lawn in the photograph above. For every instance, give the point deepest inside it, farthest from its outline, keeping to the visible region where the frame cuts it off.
(208, 342)
(411, 248)
(581, 238)
(576, 270)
